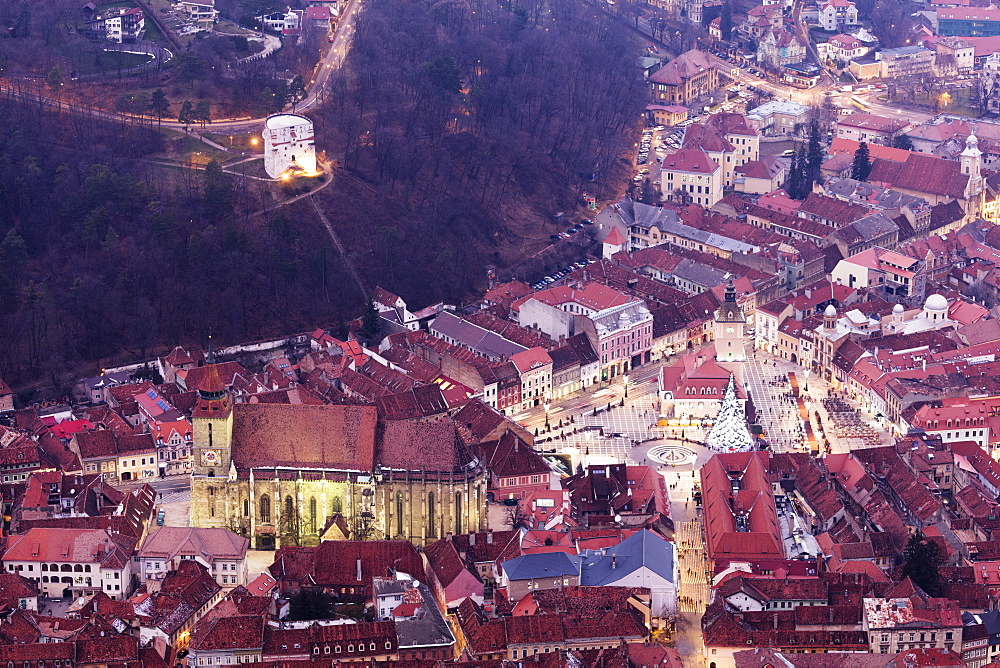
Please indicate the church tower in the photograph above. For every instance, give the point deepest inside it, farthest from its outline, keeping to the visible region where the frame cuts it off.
(972, 162)
(212, 427)
(730, 329)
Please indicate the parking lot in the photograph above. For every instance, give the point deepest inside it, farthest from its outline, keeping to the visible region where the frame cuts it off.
(562, 273)
(660, 141)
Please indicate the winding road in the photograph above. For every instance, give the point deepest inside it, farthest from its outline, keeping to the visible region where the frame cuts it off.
(315, 89)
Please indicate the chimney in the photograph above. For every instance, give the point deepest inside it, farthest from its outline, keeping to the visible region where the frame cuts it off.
(614, 560)
(489, 536)
(472, 539)
(359, 569)
(775, 621)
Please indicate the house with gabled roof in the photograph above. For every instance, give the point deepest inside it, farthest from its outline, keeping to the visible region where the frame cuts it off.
(644, 559)
(221, 551)
(73, 561)
(689, 75)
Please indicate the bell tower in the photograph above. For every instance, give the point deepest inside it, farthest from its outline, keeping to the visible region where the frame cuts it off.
(212, 427)
(972, 162)
(730, 329)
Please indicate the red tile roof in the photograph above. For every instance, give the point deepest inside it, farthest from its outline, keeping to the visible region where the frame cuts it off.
(300, 435)
(690, 161)
(921, 173)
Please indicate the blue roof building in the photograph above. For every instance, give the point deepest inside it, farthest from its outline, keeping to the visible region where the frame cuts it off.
(643, 560)
(546, 570)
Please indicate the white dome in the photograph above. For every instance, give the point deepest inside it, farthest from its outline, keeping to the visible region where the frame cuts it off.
(936, 302)
(898, 308)
(831, 311)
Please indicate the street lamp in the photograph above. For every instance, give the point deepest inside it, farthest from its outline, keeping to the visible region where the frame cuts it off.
(547, 415)
(625, 378)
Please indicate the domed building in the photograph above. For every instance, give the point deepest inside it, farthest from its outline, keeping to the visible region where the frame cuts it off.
(933, 316)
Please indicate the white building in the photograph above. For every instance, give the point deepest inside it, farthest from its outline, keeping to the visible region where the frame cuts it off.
(200, 12)
(691, 174)
(221, 551)
(778, 117)
(72, 562)
(837, 14)
(989, 82)
(289, 146)
(843, 48)
(121, 25)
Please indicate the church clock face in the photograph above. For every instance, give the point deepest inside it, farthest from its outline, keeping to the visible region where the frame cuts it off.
(209, 457)
(729, 330)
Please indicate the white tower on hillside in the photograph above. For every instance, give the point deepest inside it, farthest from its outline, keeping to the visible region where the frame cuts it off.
(289, 147)
(730, 432)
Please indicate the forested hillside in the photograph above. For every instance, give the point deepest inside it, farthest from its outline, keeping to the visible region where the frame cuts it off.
(475, 121)
(466, 125)
(103, 255)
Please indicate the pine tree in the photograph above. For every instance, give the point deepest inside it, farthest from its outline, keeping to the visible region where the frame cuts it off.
(159, 104)
(922, 563)
(805, 185)
(726, 20)
(370, 325)
(187, 113)
(903, 141)
(203, 112)
(793, 183)
(862, 166)
(814, 154)
(730, 432)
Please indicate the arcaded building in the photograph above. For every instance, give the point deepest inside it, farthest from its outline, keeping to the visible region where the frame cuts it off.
(290, 474)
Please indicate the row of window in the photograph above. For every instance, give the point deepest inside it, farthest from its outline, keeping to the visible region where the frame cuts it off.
(523, 480)
(350, 648)
(218, 660)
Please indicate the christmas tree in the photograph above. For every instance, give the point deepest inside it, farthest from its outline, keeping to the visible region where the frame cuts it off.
(730, 433)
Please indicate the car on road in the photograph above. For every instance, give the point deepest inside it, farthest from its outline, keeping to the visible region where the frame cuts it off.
(787, 153)
(554, 237)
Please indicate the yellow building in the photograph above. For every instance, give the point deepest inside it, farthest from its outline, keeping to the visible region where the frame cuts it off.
(686, 77)
(291, 474)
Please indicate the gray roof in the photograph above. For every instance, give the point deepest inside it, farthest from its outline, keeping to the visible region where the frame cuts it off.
(475, 338)
(543, 565)
(621, 317)
(107, 380)
(699, 274)
(710, 238)
(860, 192)
(874, 225)
(642, 549)
(778, 107)
(428, 629)
(627, 212)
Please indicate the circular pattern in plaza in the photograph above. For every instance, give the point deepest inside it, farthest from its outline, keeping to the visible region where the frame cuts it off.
(673, 454)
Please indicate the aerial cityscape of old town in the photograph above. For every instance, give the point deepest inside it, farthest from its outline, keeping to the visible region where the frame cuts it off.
(500, 333)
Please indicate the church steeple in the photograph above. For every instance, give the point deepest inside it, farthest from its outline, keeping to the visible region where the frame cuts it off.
(972, 163)
(213, 399)
(730, 328)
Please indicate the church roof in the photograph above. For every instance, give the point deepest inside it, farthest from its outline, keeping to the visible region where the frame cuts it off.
(303, 435)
